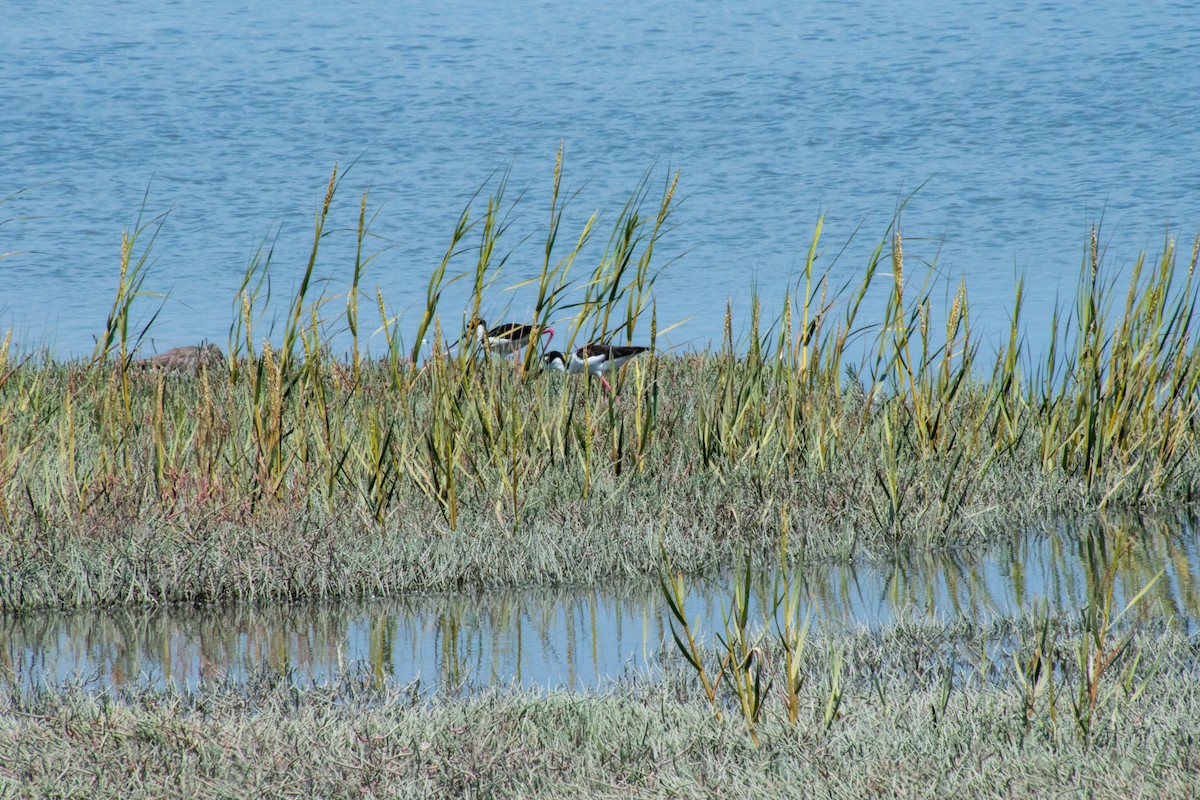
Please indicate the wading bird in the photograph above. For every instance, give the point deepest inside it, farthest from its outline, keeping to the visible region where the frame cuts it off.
(510, 336)
(597, 359)
(554, 360)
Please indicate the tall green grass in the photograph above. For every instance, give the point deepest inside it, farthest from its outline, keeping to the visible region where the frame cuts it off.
(873, 425)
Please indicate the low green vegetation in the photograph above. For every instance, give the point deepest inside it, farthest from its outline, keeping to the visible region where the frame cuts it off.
(921, 709)
(284, 472)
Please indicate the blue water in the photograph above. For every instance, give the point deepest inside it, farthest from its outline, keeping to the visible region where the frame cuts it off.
(1021, 126)
(581, 638)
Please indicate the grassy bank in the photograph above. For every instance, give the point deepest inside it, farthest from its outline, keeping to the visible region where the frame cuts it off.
(176, 509)
(283, 472)
(900, 729)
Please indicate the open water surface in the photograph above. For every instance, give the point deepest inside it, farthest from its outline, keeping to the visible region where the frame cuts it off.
(1023, 123)
(580, 639)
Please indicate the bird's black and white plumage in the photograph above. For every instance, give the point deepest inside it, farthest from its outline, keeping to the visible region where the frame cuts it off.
(554, 361)
(510, 337)
(598, 359)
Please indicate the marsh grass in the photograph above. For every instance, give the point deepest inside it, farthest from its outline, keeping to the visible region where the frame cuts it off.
(352, 738)
(118, 485)
(1104, 667)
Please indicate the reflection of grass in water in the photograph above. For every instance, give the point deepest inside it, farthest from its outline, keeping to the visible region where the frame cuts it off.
(476, 631)
(1101, 662)
(288, 473)
(475, 634)
(349, 739)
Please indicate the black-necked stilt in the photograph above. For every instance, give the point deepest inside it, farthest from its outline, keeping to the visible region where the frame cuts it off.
(510, 336)
(554, 360)
(597, 359)
(180, 359)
